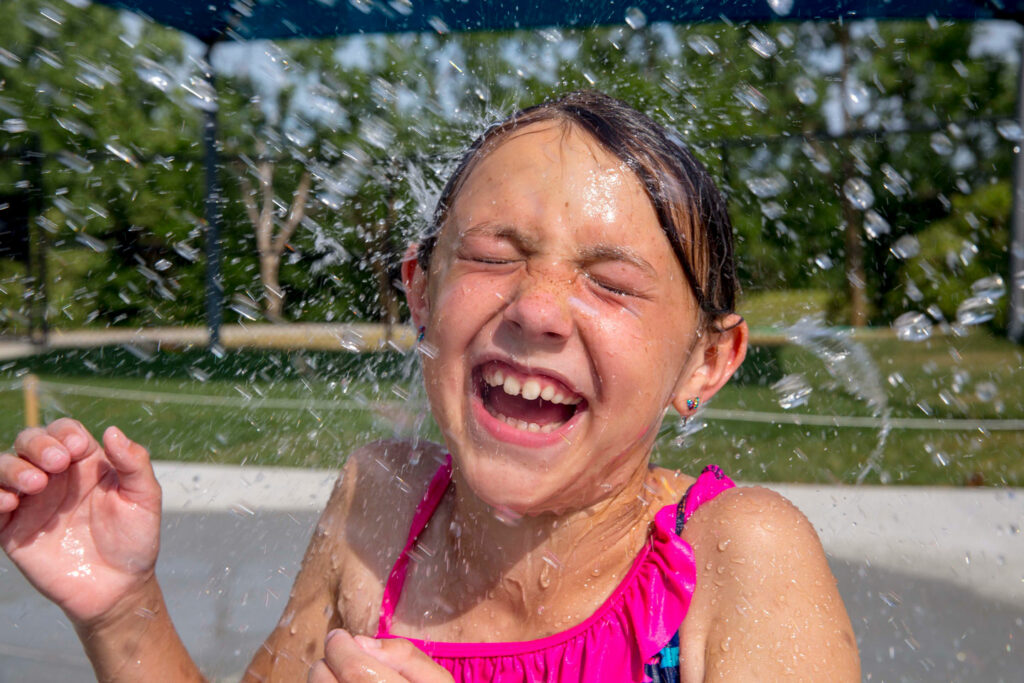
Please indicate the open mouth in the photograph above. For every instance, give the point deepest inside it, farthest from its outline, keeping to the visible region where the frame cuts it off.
(527, 402)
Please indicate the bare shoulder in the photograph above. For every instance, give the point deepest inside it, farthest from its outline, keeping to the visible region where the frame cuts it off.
(359, 532)
(378, 490)
(766, 603)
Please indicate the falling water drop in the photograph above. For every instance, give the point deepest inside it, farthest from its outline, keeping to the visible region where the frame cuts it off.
(781, 7)
(875, 224)
(859, 193)
(793, 391)
(893, 182)
(805, 91)
(1010, 130)
(635, 18)
(768, 186)
(975, 310)
(703, 45)
(941, 144)
(912, 326)
(762, 43)
(906, 247)
(751, 97)
(991, 287)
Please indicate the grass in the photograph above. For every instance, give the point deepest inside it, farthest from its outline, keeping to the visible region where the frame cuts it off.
(345, 400)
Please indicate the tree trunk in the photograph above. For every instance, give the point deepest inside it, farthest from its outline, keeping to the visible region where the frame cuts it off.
(273, 295)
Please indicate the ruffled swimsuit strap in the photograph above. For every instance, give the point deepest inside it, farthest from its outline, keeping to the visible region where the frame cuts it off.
(711, 482)
(664, 667)
(424, 511)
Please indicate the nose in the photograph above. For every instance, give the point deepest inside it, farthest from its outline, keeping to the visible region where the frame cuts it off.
(540, 310)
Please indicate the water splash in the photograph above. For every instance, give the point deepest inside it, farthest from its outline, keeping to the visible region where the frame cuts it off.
(854, 371)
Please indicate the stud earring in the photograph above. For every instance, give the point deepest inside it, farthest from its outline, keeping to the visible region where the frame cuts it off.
(421, 333)
(693, 403)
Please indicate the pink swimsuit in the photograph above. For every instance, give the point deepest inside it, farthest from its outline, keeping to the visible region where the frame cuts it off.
(616, 643)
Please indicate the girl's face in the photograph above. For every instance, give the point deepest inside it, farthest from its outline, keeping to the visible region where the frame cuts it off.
(562, 322)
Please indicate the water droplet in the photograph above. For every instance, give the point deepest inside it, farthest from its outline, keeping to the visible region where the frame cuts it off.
(96, 244)
(893, 181)
(635, 18)
(122, 153)
(874, 224)
(805, 91)
(781, 7)
(859, 193)
(858, 98)
(823, 261)
(991, 287)
(1009, 129)
(912, 326)
(906, 247)
(772, 210)
(751, 97)
(793, 390)
(986, 391)
(702, 45)
(75, 162)
(15, 126)
(762, 43)
(202, 94)
(941, 144)
(975, 310)
(153, 73)
(769, 186)
(438, 25)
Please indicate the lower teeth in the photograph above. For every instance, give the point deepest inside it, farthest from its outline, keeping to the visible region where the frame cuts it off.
(529, 426)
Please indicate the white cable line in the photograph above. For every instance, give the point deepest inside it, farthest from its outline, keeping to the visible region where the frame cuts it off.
(208, 400)
(798, 419)
(940, 423)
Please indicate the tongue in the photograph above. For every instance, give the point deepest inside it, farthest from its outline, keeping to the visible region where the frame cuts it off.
(538, 410)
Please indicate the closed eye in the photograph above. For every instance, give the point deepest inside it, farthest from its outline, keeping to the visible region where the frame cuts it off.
(609, 287)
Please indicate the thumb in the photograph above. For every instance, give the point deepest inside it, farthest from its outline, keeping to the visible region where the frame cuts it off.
(405, 658)
(136, 481)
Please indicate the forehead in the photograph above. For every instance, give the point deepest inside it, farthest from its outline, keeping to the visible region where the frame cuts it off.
(552, 169)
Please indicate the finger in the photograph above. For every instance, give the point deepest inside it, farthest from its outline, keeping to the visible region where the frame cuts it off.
(75, 437)
(17, 474)
(8, 503)
(351, 664)
(42, 449)
(405, 658)
(136, 480)
(321, 673)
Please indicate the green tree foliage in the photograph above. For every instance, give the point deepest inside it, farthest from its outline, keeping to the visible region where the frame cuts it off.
(377, 121)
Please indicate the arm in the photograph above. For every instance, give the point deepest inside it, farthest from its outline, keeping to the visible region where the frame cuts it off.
(766, 605)
(82, 523)
(298, 639)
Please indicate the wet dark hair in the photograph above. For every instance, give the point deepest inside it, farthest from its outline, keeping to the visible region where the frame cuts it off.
(689, 207)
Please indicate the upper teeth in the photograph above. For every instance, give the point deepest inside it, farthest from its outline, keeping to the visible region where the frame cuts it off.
(530, 389)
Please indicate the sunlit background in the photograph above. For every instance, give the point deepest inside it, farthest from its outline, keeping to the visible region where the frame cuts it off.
(867, 165)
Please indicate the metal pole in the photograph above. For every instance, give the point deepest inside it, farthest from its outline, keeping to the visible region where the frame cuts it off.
(214, 285)
(1016, 312)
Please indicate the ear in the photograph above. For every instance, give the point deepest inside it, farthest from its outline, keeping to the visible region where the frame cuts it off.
(713, 362)
(415, 282)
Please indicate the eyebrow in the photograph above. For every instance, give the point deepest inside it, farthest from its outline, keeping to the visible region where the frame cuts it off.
(501, 231)
(614, 252)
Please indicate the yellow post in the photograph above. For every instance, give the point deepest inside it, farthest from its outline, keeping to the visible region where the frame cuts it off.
(30, 388)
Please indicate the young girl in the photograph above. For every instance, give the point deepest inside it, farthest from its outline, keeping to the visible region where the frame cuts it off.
(577, 283)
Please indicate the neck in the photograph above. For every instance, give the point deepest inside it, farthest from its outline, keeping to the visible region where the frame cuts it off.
(527, 566)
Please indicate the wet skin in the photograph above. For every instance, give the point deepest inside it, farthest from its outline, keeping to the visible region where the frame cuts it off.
(553, 264)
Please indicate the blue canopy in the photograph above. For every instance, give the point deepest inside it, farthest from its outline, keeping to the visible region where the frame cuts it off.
(215, 20)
